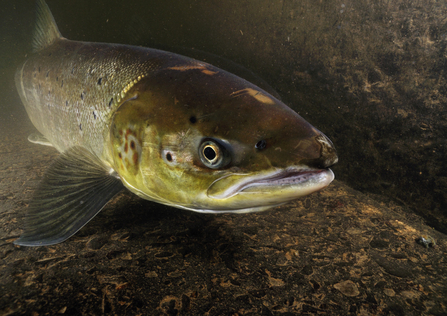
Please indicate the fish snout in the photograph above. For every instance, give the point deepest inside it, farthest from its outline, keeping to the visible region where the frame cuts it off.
(328, 154)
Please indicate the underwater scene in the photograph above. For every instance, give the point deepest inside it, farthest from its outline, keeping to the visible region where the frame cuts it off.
(223, 157)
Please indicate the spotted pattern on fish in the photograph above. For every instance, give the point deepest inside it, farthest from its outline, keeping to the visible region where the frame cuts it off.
(128, 152)
(94, 80)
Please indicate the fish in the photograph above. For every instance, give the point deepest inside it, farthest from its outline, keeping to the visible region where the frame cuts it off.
(168, 128)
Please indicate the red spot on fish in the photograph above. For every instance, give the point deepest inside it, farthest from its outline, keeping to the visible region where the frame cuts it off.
(135, 158)
(128, 131)
(120, 156)
(125, 147)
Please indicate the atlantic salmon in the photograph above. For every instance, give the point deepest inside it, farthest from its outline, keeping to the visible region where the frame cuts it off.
(169, 128)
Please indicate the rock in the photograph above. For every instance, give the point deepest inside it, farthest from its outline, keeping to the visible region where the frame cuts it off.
(347, 288)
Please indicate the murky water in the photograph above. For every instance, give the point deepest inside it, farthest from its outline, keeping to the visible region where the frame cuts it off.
(370, 74)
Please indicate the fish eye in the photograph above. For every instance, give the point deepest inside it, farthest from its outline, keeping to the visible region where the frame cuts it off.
(212, 154)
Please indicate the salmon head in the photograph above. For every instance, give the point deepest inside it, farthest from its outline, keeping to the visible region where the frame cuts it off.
(193, 136)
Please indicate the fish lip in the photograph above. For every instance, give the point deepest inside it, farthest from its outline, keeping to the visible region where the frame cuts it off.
(292, 176)
(285, 177)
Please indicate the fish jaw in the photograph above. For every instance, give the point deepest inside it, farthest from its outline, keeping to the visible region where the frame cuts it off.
(240, 193)
(301, 181)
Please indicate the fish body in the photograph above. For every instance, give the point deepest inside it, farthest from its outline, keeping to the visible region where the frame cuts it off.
(169, 128)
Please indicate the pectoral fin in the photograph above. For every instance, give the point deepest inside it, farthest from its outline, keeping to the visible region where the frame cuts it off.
(39, 139)
(75, 188)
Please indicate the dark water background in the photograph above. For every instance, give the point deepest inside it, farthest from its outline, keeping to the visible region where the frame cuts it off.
(370, 74)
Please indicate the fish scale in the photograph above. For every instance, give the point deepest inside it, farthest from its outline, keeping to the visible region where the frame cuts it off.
(81, 84)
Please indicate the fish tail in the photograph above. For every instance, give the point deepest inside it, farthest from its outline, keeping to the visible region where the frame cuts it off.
(45, 31)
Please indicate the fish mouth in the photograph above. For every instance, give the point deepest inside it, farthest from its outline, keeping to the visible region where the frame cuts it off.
(278, 186)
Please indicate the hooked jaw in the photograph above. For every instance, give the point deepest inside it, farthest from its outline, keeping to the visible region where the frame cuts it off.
(238, 193)
(301, 182)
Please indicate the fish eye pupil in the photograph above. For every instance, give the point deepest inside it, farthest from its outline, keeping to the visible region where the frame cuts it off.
(168, 157)
(209, 153)
(261, 144)
(193, 119)
(213, 154)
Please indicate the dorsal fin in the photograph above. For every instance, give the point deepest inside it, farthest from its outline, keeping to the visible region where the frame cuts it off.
(46, 31)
